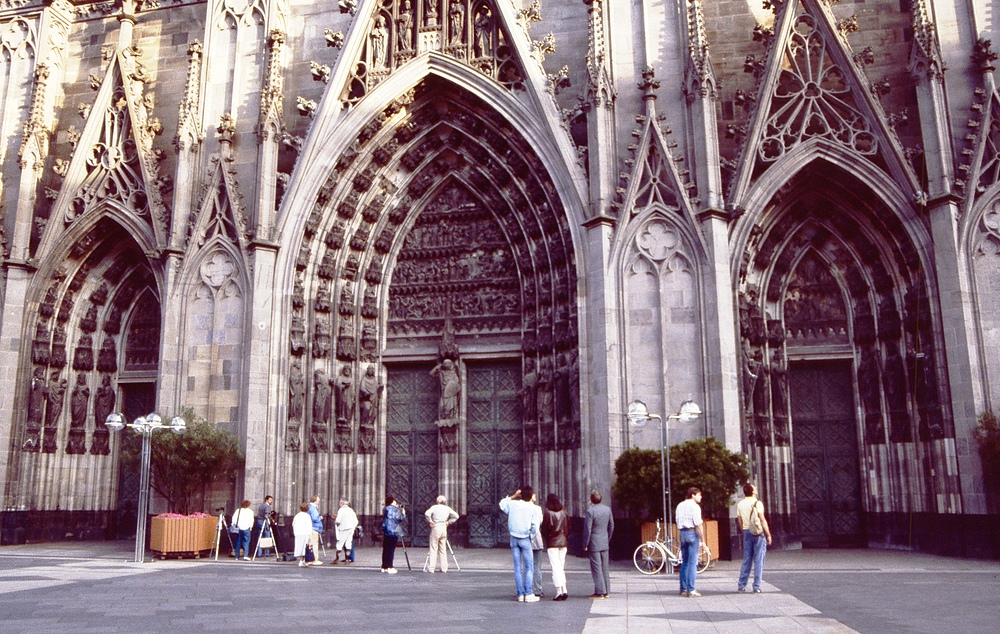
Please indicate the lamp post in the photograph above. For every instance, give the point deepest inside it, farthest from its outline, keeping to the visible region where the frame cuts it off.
(638, 414)
(144, 426)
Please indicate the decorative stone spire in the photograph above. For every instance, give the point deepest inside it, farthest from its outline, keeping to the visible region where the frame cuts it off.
(699, 75)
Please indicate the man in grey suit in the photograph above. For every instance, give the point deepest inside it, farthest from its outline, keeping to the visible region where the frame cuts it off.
(597, 529)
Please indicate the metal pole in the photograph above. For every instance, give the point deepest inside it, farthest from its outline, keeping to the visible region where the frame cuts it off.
(663, 479)
(140, 524)
(670, 501)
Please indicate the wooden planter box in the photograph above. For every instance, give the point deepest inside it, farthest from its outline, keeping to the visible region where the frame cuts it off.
(711, 529)
(185, 536)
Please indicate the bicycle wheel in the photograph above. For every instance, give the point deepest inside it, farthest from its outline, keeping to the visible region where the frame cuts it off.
(704, 557)
(649, 558)
(673, 552)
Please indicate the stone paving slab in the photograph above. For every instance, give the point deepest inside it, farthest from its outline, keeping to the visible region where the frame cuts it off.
(94, 587)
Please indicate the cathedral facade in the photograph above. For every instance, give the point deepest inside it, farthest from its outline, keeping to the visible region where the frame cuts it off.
(411, 247)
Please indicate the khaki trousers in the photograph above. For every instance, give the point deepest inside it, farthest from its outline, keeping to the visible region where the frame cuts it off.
(439, 544)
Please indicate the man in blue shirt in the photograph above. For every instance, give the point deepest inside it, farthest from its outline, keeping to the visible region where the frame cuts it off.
(317, 533)
(523, 520)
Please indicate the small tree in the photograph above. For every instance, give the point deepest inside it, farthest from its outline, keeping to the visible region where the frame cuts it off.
(184, 466)
(708, 465)
(704, 463)
(988, 437)
(638, 486)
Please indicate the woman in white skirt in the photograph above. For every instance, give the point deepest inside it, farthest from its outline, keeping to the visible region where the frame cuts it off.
(302, 529)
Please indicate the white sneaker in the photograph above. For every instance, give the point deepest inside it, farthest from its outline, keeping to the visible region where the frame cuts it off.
(531, 598)
(302, 564)
(520, 598)
(384, 570)
(392, 571)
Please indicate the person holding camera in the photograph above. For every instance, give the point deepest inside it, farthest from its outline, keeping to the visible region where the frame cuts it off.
(263, 521)
(523, 520)
(392, 530)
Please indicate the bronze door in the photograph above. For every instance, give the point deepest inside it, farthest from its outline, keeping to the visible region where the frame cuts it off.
(825, 445)
(412, 444)
(495, 464)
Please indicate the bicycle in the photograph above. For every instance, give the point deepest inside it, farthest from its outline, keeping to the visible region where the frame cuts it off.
(650, 557)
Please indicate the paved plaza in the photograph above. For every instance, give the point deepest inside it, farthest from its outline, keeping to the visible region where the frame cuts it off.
(94, 587)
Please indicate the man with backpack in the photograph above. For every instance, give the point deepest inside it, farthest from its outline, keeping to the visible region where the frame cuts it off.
(756, 537)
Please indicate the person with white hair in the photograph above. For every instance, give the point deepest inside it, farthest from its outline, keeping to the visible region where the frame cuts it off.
(439, 517)
(347, 521)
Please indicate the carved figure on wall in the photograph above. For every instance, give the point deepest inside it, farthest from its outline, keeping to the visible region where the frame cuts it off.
(297, 339)
(321, 339)
(779, 397)
(107, 358)
(545, 399)
(58, 357)
(457, 13)
(79, 401)
(451, 387)
(89, 322)
(38, 396)
(751, 370)
(40, 345)
(574, 390)
(369, 343)
(83, 359)
(322, 395)
(104, 404)
(57, 392)
(369, 307)
(296, 391)
(762, 408)
(528, 393)
(484, 33)
(344, 386)
(432, 13)
(323, 298)
(751, 320)
(404, 28)
(379, 37)
(347, 349)
(561, 388)
(293, 440)
(346, 306)
(369, 396)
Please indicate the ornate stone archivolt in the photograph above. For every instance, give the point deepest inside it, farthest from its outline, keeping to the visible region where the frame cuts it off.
(464, 214)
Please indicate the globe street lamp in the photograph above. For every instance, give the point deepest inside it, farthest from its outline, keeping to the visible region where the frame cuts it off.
(638, 414)
(144, 426)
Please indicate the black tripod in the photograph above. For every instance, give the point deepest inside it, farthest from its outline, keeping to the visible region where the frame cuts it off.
(219, 526)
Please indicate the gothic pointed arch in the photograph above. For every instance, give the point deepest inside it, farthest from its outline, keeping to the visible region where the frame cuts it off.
(115, 165)
(85, 302)
(830, 275)
(811, 90)
(439, 211)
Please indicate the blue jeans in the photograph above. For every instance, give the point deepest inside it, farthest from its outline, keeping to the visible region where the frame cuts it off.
(524, 564)
(242, 541)
(754, 549)
(690, 545)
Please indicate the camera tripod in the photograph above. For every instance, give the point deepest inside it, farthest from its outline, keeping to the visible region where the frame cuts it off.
(427, 559)
(265, 540)
(219, 526)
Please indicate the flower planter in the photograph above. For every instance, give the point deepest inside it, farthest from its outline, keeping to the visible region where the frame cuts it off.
(711, 529)
(182, 536)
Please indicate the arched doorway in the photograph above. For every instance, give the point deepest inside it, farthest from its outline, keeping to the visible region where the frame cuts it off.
(445, 240)
(840, 369)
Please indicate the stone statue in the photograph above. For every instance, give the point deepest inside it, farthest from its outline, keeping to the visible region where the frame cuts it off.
(432, 13)
(457, 13)
(484, 33)
(57, 389)
(104, 404)
(37, 397)
(79, 402)
(296, 391)
(527, 394)
(404, 34)
(344, 386)
(545, 399)
(321, 411)
(561, 388)
(451, 385)
(369, 395)
(378, 37)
